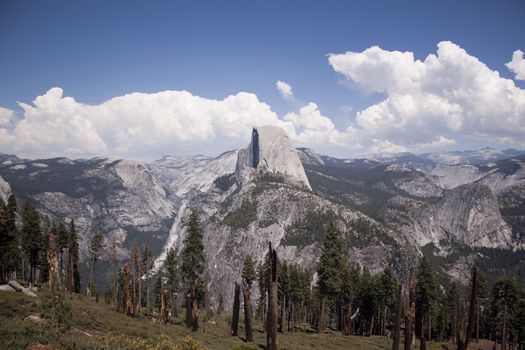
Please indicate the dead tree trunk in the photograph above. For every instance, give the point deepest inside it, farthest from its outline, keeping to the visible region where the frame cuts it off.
(478, 312)
(194, 312)
(127, 293)
(397, 324)
(235, 313)
(163, 310)
(347, 330)
(271, 319)
(472, 306)
(189, 311)
(322, 315)
(504, 329)
(248, 314)
(423, 343)
(411, 310)
(283, 316)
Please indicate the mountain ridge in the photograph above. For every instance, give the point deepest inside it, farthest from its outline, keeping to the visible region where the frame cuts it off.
(391, 210)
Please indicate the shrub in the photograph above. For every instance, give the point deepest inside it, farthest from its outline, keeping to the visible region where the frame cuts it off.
(56, 307)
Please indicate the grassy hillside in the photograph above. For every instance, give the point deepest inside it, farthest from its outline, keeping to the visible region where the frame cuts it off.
(97, 326)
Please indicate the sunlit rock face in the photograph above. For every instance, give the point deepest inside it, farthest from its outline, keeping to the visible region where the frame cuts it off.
(270, 151)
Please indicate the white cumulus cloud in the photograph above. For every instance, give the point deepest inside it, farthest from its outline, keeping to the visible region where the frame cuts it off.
(312, 128)
(284, 89)
(517, 65)
(429, 104)
(450, 93)
(135, 125)
(6, 115)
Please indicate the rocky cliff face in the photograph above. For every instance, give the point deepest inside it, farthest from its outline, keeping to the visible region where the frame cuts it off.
(242, 220)
(390, 209)
(5, 189)
(467, 215)
(119, 197)
(181, 174)
(270, 151)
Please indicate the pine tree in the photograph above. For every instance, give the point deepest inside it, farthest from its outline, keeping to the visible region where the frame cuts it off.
(96, 244)
(369, 294)
(474, 286)
(47, 231)
(147, 263)
(284, 291)
(299, 295)
(426, 296)
(31, 240)
(15, 259)
(62, 246)
(248, 277)
(483, 307)
(9, 251)
(410, 310)
(192, 268)
(349, 291)
(172, 278)
(397, 322)
(11, 209)
(73, 260)
(262, 282)
(329, 269)
(136, 274)
(388, 295)
(505, 307)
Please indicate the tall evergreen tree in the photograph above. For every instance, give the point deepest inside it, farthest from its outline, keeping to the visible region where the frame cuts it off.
(9, 251)
(62, 246)
(192, 267)
(147, 263)
(73, 260)
(369, 295)
(284, 291)
(505, 307)
(397, 322)
(330, 270)
(248, 277)
(96, 244)
(31, 240)
(426, 297)
(171, 272)
(349, 292)
(388, 293)
(11, 209)
(47, 231)
(262, 282)
(136, 274)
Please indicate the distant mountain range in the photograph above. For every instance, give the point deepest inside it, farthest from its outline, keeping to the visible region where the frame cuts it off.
(457, 208)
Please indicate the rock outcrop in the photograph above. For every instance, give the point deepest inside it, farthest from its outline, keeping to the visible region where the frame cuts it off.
(270, 151)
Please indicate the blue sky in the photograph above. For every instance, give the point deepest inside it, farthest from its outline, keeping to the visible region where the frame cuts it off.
(97, 50)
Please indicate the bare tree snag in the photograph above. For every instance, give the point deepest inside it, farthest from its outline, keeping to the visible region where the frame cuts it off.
(272, 318)
(127, 293)
(397, 324)
(163, 311)
(347, 329)
(194, 312)
(248, 313)
(236, 310)
(52, 260)
(189, 316)
(410, 312)
(472, 306)
(322, 314)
